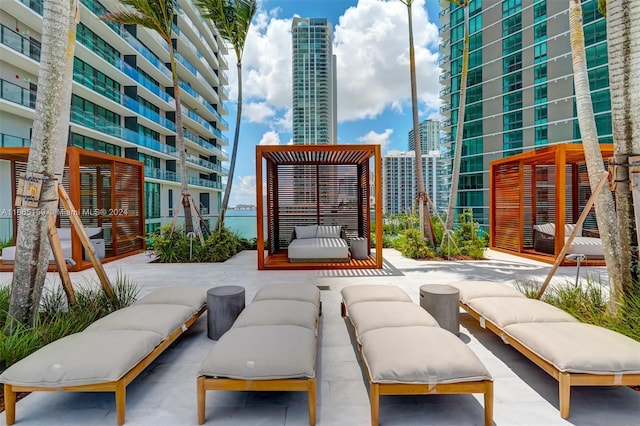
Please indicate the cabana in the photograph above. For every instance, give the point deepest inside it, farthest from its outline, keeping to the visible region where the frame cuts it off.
(107, 193)
(545, 189)
(317, 185)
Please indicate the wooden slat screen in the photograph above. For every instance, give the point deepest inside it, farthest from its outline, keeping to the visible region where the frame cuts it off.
(127, 209)
(545, 194)
(507, 207)
(364, 227)
(272, 186)
(527, 193)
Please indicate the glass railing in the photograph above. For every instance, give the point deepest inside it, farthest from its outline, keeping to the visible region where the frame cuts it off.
(147, 142)
(146, 53)
(187, 88)
(21, 44)
(142, 110)
(145, 82)
(206, 183)
(205, 144)
(35, 5)
(99, 10)
(88, 41)
(97, 86)
(19, 95)
(219, 135)
(87, 119)
(153, 173)
(195, 117)
(10, 141)
(187, 64)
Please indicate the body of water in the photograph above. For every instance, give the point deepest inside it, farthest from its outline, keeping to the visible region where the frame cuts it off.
(242, 222)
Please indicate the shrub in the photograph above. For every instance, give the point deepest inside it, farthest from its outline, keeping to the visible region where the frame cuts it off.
(6, 243)
(413, 246)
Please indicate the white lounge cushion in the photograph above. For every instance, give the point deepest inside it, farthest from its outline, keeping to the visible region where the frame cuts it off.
(192, 296)
(504, 311)
(289, 291)
(309, 231)
(420, 354)
(83, 358)
(373, 293)
(367, 316)
(473, 289)
(580, 348)
(546, 228)
(279, 312)
(328, 231)
(318, 248)
(263, 353)
(591, 247)
(157, 318)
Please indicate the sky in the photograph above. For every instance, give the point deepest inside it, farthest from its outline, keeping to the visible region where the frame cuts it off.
(371, 44)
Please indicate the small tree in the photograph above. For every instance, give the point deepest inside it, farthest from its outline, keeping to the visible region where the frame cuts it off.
(46, 156)
(158, 15)
(232, 18)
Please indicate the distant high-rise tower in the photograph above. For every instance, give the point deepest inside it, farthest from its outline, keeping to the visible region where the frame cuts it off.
(314, 82)
(429, 137)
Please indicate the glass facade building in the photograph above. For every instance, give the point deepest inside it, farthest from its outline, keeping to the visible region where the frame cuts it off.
(314, 82)
(520, 91)
(122, 99)
(429, 137)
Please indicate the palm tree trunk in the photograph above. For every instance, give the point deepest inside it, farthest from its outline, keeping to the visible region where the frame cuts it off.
(426, 230)
(182, 155)
(457, 155)
(623, 40)
(605, 212)
(46, 157)
(234, 152)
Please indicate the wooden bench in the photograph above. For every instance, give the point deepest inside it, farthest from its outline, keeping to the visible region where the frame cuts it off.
(405, 352)
(110, 353)
(573, 353)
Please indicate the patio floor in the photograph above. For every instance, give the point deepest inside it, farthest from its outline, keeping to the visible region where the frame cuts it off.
(165, 393)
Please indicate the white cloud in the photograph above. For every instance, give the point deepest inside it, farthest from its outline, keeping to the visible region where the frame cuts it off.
(270, 138)
(372, 49)
(381, 139)
(258, 112)
(243, 190)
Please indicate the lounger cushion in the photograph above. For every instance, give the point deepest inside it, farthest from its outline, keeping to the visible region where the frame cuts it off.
(82, 358)
(279, 312)
(580, 348)
(367, 316)
(263, 353)
(473, 289)
(503, 311)
(430, 355)
(191, 296)
(318, 248)
(289, 291)
(161, 319)
(372, 293)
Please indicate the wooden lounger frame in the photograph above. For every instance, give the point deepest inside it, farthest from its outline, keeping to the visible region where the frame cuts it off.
(484, 387)
(565, 379)
(211, 383)
(119, 386)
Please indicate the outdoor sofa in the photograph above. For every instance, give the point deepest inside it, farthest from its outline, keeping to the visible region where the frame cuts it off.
(318, 243)
(270, 347)
(111, 352)
(574, 353)
(405, 352)
(544, 241)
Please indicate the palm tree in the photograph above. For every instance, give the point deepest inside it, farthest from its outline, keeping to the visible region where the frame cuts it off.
(623, 26)
(457, 155)
(158, 15)
(232, 18)
(426, 230)
(46, 156)
(605, 211)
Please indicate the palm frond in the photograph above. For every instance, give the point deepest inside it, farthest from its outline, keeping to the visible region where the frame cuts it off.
(232, 18)
(156, 15)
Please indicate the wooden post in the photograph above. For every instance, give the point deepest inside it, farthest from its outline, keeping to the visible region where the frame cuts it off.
(567, 244)
(61, 263)
(193, 208)
(84, 239)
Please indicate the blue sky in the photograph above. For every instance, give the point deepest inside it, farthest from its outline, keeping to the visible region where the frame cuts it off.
(371, 48)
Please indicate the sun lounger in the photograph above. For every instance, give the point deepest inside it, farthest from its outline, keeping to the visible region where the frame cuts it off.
(405, 352)
(110, 353)
(574, 353)
(270, 347)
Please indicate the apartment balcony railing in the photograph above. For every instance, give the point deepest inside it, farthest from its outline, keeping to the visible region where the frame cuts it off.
(90, 81)
(444, 11)
(13, 93)
(443, 60)
(10, 141)
(145, 82)
(444, 28)
(203, 101)
(35, 5)
(146, 53)
(99, 10)
(222, 154)
(206, 183)
(192, 70)
(445, 107)
(197, 118)
(19, 43)
(444, 76)
(445, 43)
(142, 110)
(445, 91)
(154, 173)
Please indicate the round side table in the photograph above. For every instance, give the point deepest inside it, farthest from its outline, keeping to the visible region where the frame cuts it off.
(224, 304)
(441, 301)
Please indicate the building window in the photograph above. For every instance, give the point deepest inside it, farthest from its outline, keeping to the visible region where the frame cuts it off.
(540, 52)
(512, 121)
(511, 25)
(509, 7)
(512, 82)
(541, 135)
(601, 101)
(540, 113)
(540, 93)
(539, 11)
(512, 101)
(599, 78)
(540, 73)
(596, 55)
(540, 32)
(152, 200)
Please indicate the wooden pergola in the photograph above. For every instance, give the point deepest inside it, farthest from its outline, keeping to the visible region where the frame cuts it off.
(551, 185)
(316, 184)
(106, 191)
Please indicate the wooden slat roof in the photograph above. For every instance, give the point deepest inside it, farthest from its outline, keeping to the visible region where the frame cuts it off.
(317, 154)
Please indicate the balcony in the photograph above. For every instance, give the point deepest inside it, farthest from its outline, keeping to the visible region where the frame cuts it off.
(445, 91)
(444, 60)
(445, 76)
(146, 53)
(220, 153)
(444, 28)
(445, 107)
(444, 43)
(206, 183)
(137, 107)
(10, 141)
(99, 10)
(19, 95)
(90, 81)
(21, 44)
(154, 173)
(145, 82)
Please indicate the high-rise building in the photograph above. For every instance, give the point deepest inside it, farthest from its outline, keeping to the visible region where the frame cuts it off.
(122, 99)
(399, 185)
(429, 137)
(520, 92)
(314, 82)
